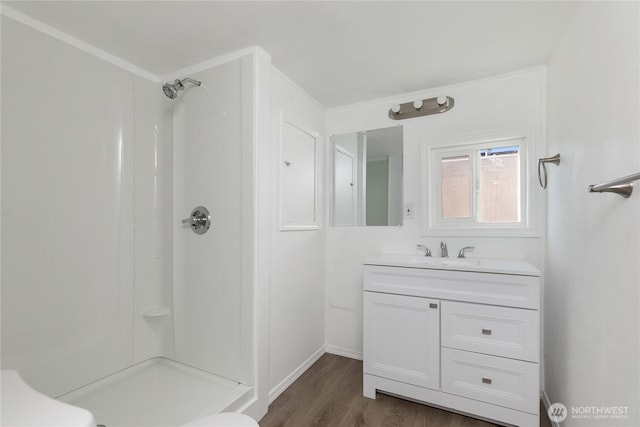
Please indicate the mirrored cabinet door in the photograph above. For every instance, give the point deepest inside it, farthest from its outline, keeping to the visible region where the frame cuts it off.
(367, 178)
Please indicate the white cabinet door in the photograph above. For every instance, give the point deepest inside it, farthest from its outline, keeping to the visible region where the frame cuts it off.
(402, 338)
(298, 177)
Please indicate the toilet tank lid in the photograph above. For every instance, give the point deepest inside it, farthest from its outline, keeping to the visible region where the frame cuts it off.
(23, 406)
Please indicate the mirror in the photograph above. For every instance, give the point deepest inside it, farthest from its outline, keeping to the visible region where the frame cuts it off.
(367, 178)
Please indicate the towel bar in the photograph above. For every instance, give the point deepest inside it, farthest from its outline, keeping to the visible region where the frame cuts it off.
(622, 186)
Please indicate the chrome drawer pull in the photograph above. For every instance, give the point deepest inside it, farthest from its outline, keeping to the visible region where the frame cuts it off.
(433, 305)
(486, 380)
(486, 332)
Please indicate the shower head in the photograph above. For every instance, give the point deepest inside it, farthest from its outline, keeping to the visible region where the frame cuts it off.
(171, 89)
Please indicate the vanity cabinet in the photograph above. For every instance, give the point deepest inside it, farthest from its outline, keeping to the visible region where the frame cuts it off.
(467, 341)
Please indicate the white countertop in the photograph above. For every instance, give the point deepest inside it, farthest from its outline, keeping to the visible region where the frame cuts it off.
(478, 265)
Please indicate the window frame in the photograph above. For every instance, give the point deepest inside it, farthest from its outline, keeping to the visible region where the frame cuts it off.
(433, 224)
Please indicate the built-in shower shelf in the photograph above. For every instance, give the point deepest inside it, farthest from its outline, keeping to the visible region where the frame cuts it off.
(156, 311)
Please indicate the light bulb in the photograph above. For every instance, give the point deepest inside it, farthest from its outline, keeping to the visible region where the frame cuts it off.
(395, 108)
(441, 100)
(417, 104)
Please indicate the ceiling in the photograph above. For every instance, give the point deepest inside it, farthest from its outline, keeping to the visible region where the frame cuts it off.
(341, 52)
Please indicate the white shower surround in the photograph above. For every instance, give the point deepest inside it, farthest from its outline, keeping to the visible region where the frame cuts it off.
(212, 277)
(90, 143)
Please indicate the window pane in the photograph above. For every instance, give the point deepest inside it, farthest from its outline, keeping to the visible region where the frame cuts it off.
(456, 200)
(500, 184)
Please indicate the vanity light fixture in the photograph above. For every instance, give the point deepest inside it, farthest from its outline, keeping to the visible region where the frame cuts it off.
(421, 107)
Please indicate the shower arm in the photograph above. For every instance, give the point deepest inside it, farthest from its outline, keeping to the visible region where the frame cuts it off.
(190, 80)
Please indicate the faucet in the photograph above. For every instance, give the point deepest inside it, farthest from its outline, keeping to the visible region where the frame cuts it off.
(444, 250)
(461, 253)
(427, 251)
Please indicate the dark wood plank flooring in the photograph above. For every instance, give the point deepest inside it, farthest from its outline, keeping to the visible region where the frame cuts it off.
(330, 394)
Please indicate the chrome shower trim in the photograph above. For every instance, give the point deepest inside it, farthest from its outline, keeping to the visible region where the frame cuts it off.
(190, 80)
(171, 89)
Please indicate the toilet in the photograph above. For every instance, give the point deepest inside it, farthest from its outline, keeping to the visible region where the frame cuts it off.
(24, 406)
(225, 419)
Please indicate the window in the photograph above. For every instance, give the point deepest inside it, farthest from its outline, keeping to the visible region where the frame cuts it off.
(456, 189)
(478, 186)
(499, 178)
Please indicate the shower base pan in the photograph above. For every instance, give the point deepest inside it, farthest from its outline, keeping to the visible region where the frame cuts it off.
(157, 392)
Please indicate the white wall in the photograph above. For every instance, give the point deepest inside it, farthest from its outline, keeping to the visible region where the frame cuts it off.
(68, 186)
(486, 106)
(593, 252)
(297, 298)
(264, 179)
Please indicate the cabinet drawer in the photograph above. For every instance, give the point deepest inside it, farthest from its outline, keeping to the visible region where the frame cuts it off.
(506, 382)
(498, 331)
(484, 288)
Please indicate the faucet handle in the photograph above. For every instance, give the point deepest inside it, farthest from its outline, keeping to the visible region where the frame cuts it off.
(461, 253)
(427, 251)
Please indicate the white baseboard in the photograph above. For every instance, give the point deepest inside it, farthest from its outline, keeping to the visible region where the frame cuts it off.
(344, 352)
(277, 390)
(547, 403)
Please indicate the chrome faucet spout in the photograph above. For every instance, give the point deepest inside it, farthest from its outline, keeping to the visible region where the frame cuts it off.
(443, 249)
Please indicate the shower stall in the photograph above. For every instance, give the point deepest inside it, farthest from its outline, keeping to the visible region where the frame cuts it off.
(110, 301)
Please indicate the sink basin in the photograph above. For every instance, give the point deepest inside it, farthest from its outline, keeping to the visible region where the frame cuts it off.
(480, 265)
(437, 261)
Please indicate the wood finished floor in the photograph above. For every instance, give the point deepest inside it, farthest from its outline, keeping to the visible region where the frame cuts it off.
(330, 394)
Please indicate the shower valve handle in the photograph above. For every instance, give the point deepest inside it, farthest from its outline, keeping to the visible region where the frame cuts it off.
(195, 221)
(200, 220)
